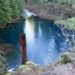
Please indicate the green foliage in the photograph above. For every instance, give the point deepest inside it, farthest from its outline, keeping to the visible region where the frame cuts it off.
(65, 59)
(10, 9)
(14, 8)
(7, 74)
(68, 24)
(5, 11)
(21, 5)
(66, 1)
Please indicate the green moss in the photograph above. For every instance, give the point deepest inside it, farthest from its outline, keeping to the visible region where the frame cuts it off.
(7, 74)
(65, 59)
(69, 23)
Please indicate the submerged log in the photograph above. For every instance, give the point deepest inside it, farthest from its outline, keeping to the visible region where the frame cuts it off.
(23, 48)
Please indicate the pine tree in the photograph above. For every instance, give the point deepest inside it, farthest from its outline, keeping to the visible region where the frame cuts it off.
(10, 9)
(14, 7)
(21, 5)
(5, 12)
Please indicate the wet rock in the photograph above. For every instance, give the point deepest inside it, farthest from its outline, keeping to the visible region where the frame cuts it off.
(30, 69)
(52, 69)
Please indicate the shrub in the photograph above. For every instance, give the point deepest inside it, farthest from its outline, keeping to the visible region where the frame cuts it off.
(65, 59)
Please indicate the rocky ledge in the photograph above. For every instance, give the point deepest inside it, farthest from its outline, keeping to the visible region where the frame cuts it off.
(53, 69)
(58, 68)
(52, 11)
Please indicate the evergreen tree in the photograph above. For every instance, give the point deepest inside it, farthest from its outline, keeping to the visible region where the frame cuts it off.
(5, 12)
(20, 4)
(10, 9)
(14, 7)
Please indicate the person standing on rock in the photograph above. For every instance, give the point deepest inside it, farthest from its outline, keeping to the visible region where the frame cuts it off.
(23, 48)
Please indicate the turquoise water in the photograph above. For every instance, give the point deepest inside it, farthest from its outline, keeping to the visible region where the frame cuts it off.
(44, 45)
(11, 35)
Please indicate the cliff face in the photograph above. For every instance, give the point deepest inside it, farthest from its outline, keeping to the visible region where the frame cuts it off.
(51, 9)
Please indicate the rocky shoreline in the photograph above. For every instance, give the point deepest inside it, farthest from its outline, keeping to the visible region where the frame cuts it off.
(57, 68)
(52, 69)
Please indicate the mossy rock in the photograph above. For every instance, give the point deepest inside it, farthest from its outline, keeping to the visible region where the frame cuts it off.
(68, 24)
(65, 59)
(8, 73)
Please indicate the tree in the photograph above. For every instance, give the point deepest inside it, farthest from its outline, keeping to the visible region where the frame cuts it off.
(5, 12)
(20, 4)
(14, 8)
(10, 10)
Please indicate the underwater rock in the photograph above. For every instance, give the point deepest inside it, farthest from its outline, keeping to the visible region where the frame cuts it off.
(8, 50)
(2, 63)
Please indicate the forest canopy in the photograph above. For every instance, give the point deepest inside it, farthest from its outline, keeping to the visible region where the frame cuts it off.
(10, 9)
